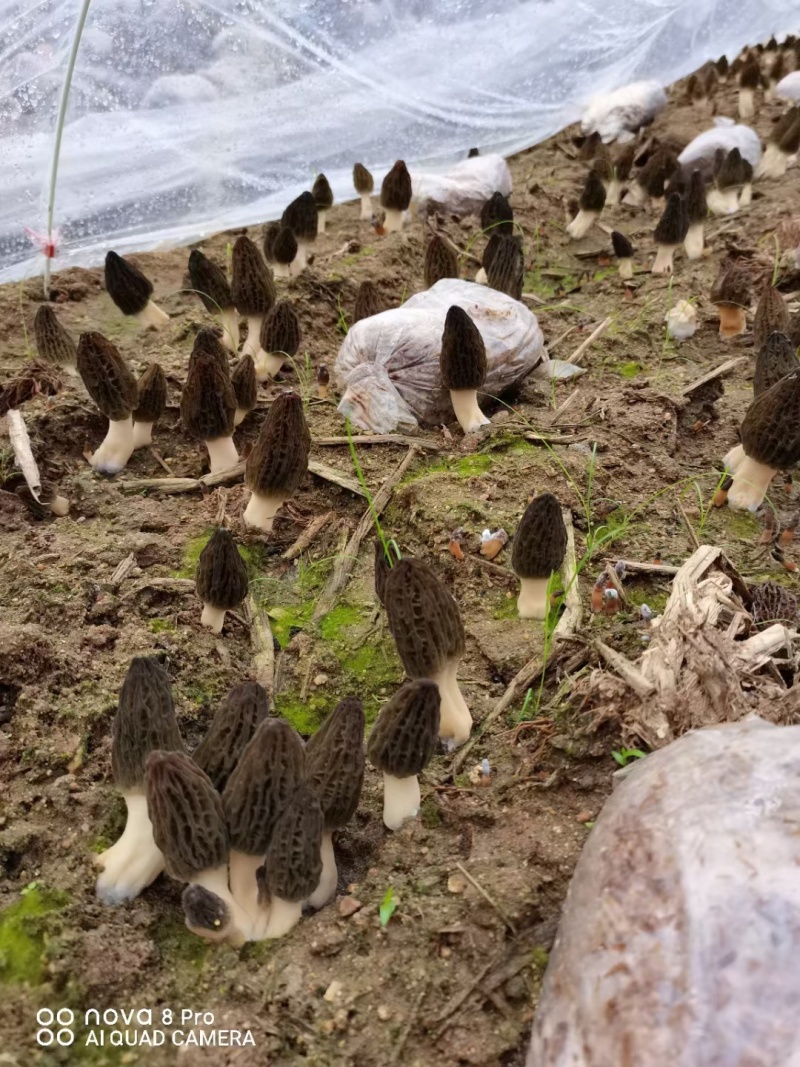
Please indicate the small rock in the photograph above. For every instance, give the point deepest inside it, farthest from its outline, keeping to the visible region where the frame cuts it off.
(583, 816)
(321, 679)
(383, 1013)
(333, 992)
(348, 906)
(456, 884)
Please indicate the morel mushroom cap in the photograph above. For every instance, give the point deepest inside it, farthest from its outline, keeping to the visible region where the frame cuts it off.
(284, 250)
(735, 171)
(657, 171)
(322, 193)
(301, 217)
(152, 394)
(207, 343)
(423, 618)
(245, 387)
(363, 181)
(541, 539)
(404, 737)
(696, 206)
(731, 294)
(593, 197)
(186, 813)
(232, 728)
(127, 286)
(323, 381)
(206, 914)
(673, 224)
(750, 76)
(440, 261)
(775, 360)
(208, 403)
(623, 249)
(107, 377)
(771, 426)
(497, 215)
(335, 762)
(722, 66)
(506, 271)
(396, 188)
(279, 460)
(281, 330)
(221, 581)
(382, 570)
(773, 603)
(772, 316)
(53, 343)
(368, 302)
(463, 356)
(271, 231)
(209, 282)
(252, 287)
(293, 863)
(145, 721)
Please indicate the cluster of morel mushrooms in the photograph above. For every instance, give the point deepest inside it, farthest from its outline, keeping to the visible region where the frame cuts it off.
(247, 820)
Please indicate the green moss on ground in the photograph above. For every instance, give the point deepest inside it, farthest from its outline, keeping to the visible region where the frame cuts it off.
(191, 554)
(178, 944)
(24, 931)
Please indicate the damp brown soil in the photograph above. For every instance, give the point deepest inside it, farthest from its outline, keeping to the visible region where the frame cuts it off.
(478, 881)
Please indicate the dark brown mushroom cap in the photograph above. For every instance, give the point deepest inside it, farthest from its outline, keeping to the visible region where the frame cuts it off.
(362, 180)
(323, 375)
(423, 618)
(232, 728)
(771, 426)
(593, 197)
(722, 66)
(368, 302)
(322, 193)
(221, 579)
(271, 231)
(587, 148)
(127, 286)
(279, 460)
(657, 171)
(53, 343)
(773, 603)
(209, 282)
(772, 316)
(301, 216)
(269, 770)
(496, 214)
(623, 249)
(335, 762)
(506, 271)
(280, 330)
(790, 140)
(734, 172)
(676, 184)
(186, 812)
(541, 539)
(245, 384)
(440, 261)
(107, 377)
(732, 286)
(711, 78)
(673, 224)
(603, 165)
(252, 286)
(207, 342)
(208, 403)
(382, 570)
(794, 330)
(152, 394)
(284, 248)
(293, 863)
(404, 737)
(623, 164)
(696, 206)
(145, 721)
(776, 359)
(396, 188)
(490, 251)
(691, 87)
(463, 355)
(750, 75)
(783, 125)
(204, 910)
(473, 152)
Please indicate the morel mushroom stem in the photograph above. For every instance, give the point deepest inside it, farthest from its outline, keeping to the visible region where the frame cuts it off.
(732, 320)
(230, 329)
(481, 278)
(663, 260)
(132, 862)
(244, 888)
(465, 406)
(455, 722)
(532, 600)
(321, 214)
(222, 454)
(747, 104)
(723, 201)
(59, 506)
(734, 459)
(142, 434)
(329, 878)
(625, 268)
(252, 344)
(262, 508)
(393, 221)
(694, 242)
(116, 448)
(213, 618)
(750, 485)
(267, 365)
(152, 315)
(284, 915)
(582, 223)
(401, 799)
(366, 207)
(215, 880)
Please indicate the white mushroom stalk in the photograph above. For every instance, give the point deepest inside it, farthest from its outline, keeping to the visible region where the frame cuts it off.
(465, 406)
(582, 223)
(734, 459)
(230, 329)
(401, 800)
(222, 454)
(152, 315)
(663, 261)
(215, 880)
(613, 192)
(750, 484)
(284, 915)
(245, 891)
(732, 320)
(626, 268)
(366, 207)
(252, 343)
(261, 510)
(393, 220)
(747, 104)
(116, 448)
(532, 601)
(481, 277)
(694, 242)
(142, 434)
(321, 215)
(134, 861)
(636, 196)
(723, 201)
(330, 873)
(455, 723)
(59, 506)
(213, 618)
(282, 270)
(268, 364)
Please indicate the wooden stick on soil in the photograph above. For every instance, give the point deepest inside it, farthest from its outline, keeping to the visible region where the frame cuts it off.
(597, 332)
(477, 885)
(723, 368)
(381, 439)
(307, 536)
(649, 568)
(23, 453)
(171, 486)
(263, 647)
(346, 561)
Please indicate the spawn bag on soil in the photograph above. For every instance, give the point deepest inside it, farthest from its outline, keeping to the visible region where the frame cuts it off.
(678, 941)
(466, 187)
(388, 370)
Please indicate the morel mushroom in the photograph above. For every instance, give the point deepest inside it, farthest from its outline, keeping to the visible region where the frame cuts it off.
(401, 745)
(189, 828)
(284, 252)
(279, 461)
(772, 315)
(209, 282)
(776, 358)
(245, 388)
(323, 381)
(623, 250)
(368, 302)
(783, 143)
(301, 218)
(208, 403)
(335, 763)
(773, 603)
(540, 544)
(54, 345)
(429, 634)
(280, 340)
(232, 728)
(364, 184)
(382, 570)
(670, 233)
(252, 288)
(323, 198)
(293, 863)
(770, 442)
(732, 185)
(259, 790)
(749, 81)
(463, 366)
(208, 916)
(591, 204)
(221, 581)
(652, 179)
(497, 215)
(151, 404)
(440, 261)
(396, 196)
(112, 386)
(731, 294)
(131, 291)
(145, 721)
(696, 213)
(506, 269)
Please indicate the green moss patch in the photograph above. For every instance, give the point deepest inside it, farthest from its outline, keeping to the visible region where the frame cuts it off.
(24, 931)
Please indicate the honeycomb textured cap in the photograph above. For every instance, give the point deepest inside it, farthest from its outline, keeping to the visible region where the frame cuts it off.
(280, 330)
(593, 197)
(363, 182)
(423, 618)
(396, 188)
(773, 603)
(269, 770)
(301, 216)
(245, 384)
(127, 286)
(221, 579)
(750, 76)
(463, 355)
(772, 316)
(623, 249)
(657, 171)
(790, 139)
(735, 171)
(506, 270)
(623, 164)
(236, 720)
(207, 342)
(771, 426)
(496, 214)
(322, 193)
(271, 231)
(209, 282)
(541, 539)
(673, 224)
(776, 358)
(335, 762)
(53, 343)
(404, 737)
(279, 460)
(440, 261)
(208, 403)
(293, 863)
(252, 285)
(145, 721)
(368, 302)
(284, 248)
(783, 125)
(696, 206)
(733, 285)
(203, 909)
(107, 377)
(382, 570)
(186, 812)
(151, 392)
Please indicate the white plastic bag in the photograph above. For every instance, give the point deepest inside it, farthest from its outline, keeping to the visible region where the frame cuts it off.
(617, 116)
(725, 135)
(678, 941)
(388, 366)
(788, 88)
(465, 188)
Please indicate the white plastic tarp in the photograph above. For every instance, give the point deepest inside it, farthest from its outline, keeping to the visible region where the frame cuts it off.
(187, 117)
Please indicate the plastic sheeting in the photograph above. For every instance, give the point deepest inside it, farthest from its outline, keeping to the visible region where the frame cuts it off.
(188, 117)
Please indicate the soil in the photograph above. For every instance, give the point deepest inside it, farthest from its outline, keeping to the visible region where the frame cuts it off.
(477, 882)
